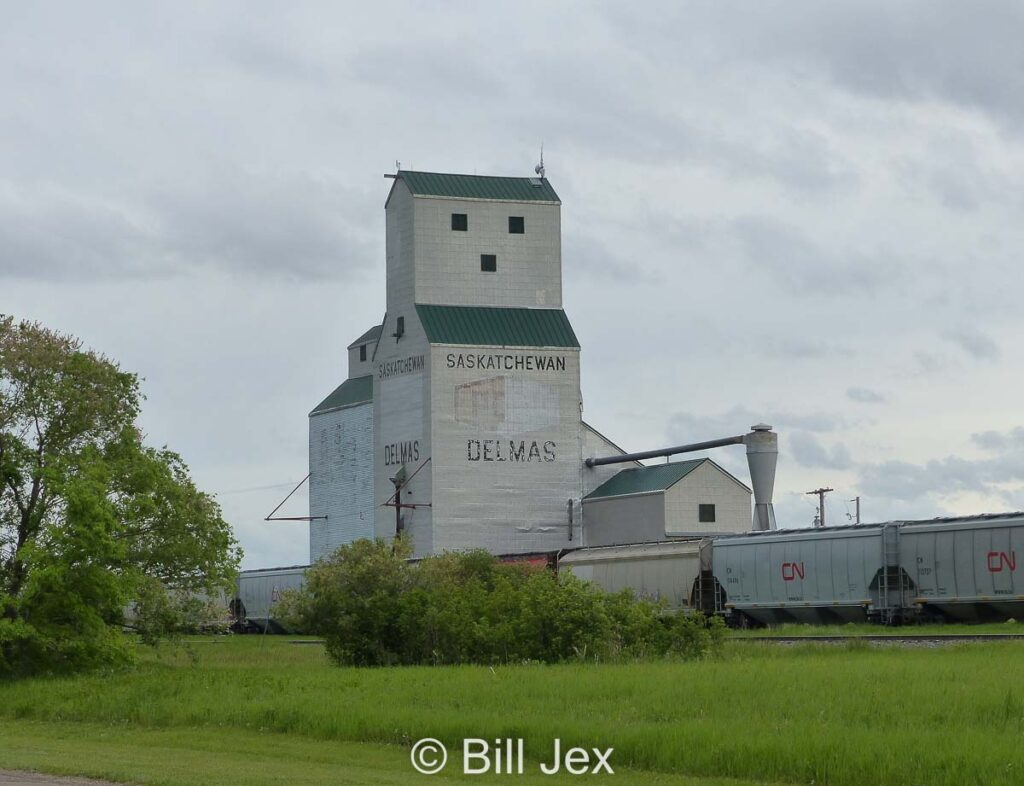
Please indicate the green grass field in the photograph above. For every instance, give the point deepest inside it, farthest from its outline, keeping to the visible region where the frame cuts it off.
(868, 629)
(263, 710)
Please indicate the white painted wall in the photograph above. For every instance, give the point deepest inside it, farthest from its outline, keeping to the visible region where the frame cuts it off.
(447, 263)
(485, 493)
(401, 396)
(707, 484)
(401, 407)
(340, 478)
(357, 367)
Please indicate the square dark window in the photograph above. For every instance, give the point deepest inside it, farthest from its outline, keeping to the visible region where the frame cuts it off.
(400, 327)
(460, 222)
(362, 353)
(489, 263)
(706, 514)
(516, 225)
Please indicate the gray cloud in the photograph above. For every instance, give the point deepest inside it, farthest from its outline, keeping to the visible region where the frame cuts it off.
(796, 348)
(900, 480)
(914, 51)
(977, 345)
(928, 363)
(686, 426)
(808, 451)
(865, 396)
(785, 254)
(52, 233)
(301, 227)
(583, 256)
(999, 441)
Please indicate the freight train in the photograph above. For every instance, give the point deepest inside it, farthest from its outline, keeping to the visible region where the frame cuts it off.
(958, 569)
(963, 569)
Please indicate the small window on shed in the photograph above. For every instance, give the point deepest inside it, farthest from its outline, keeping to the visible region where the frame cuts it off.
(706, 514)
(489, 263)
(516, 225)
(460, 222)
(362, 353)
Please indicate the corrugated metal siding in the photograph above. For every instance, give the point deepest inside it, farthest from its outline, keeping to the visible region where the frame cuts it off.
(348, 393)
(660, 571)
(402, 432)
(611, 521)
(259, 590)
(800, 570)
(516, 189)
(502, 327)
(641, 480)
(341, 478)
(964, 562)
(506, 453)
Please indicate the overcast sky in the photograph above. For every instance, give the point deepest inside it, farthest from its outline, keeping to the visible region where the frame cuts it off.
(805, 213)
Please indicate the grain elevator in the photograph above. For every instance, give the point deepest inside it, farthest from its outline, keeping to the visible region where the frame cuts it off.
(460, 422)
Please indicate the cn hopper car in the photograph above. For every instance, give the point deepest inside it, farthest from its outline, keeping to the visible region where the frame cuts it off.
(959, 569)
(963, 569)
(256, 593)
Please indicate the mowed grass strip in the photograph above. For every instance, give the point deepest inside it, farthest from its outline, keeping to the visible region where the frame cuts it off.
(867, 629)
(838, 715)
(198, 757)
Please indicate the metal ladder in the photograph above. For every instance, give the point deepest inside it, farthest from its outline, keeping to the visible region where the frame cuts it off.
(709, 594)
(890, 581)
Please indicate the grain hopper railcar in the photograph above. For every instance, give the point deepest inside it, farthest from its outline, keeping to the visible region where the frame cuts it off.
(952, 568)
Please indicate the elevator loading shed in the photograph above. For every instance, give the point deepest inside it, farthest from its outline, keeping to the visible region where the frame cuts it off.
(678, 499)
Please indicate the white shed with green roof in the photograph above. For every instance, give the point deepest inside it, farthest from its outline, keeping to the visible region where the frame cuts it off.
(674, 500)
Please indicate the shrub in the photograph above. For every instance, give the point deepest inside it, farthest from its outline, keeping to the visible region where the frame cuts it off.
(374, 607)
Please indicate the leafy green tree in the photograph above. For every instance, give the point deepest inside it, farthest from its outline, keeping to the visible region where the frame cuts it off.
(92, 521)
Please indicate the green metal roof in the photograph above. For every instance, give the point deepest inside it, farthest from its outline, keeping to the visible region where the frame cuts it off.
(640, 480)
(358, 390)
(512, 189)
(370, 335)
(499, 327)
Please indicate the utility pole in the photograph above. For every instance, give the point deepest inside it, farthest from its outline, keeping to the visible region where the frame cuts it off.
(857, 500)
(821, 504)
(399, 480)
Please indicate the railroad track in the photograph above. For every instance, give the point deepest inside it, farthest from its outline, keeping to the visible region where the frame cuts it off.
(922, 638)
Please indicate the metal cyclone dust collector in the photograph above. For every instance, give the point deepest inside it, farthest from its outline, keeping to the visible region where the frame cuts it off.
(762, 458)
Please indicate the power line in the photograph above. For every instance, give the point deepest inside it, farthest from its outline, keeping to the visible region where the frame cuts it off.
(257, 488)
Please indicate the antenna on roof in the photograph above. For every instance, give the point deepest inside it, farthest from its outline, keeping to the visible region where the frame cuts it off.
(398, 165)
(539, 169)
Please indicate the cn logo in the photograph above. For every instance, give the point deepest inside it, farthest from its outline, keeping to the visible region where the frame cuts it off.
(791, 571)
(998, 561)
